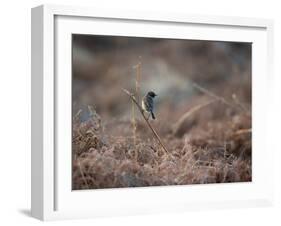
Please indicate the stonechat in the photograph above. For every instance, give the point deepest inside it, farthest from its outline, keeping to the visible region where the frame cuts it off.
(147, 103)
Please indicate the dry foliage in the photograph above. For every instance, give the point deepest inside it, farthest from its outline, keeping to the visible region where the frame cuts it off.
(218, 152)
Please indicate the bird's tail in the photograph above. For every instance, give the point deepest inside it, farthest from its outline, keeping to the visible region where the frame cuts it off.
(153, 116)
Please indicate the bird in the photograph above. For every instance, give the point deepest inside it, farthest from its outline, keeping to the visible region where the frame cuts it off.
(147, 103)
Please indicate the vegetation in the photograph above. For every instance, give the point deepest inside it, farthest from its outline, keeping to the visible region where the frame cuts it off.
(201, 137)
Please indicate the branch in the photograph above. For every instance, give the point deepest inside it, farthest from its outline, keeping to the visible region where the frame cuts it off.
(221, 99)
(146, 120)
(243, 131)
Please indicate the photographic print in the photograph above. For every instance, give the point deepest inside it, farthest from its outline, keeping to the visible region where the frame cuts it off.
(157, 111)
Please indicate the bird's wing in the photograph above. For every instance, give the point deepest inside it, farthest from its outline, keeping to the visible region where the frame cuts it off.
(149, 103)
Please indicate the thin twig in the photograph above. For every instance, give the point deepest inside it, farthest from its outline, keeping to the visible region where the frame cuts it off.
(138, 76)
(137, 90)
(147, 122)
(221, 99)
(82, 174)
(184, 117)
(243, 131)
(134, 122)
(242, 106)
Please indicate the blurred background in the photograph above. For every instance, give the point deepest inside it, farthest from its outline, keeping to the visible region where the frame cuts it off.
(103, 65)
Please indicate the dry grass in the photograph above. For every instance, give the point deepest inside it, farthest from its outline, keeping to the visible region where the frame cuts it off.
(218, 152)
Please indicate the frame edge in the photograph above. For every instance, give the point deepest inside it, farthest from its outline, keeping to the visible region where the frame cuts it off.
(39, 184)
(37, 179)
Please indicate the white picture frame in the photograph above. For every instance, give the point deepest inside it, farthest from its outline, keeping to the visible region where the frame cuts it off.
(52, 197)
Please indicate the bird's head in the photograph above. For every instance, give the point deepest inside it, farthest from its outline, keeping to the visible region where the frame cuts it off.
(151, 94)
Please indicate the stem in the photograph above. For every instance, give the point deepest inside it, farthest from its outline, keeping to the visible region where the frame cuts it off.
(221, 99)
(147, 122)
(134, 123)
(138, 81)
(185, 116)
(82, 174)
